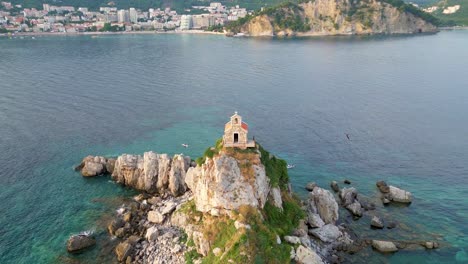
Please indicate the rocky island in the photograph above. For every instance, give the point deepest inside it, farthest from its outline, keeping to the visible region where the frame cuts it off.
(331, 17)
(232, 205)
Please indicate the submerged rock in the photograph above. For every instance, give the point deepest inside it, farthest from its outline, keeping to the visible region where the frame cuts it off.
(78, 243)
(384, 246)
(430, 245)
(391, 225)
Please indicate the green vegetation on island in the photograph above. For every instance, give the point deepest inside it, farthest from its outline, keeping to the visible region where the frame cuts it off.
(457, 18)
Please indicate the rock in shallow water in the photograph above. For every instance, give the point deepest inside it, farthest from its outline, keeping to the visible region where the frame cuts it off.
(384, 246)
(123, 250)
(78, 243)
(383, 187)
(399, 195)
(310, 186)
(92, 166)
(376, 222)
(334, 186)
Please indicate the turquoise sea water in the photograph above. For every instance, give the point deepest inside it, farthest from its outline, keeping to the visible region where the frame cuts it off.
(402, 100)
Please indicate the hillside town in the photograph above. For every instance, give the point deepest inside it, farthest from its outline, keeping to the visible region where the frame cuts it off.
(68, 19)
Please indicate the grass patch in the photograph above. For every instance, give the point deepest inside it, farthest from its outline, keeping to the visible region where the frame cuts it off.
(190, 210)
(210, 152)
(275, 168)
(191, 256)
(283, 222)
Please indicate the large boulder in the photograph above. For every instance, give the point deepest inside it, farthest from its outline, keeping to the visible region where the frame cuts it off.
(123, 250)
(78, 243)
(349, 201)
(155, 217)
(323, 203)
(399, 195)
(114, 225)
(152, 233)
(307, 256)
(314, 220)
(384, 246)
(327, 233)
(219, 186)
(395, 194)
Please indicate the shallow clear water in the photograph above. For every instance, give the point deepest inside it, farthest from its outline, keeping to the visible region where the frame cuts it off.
(402, 100)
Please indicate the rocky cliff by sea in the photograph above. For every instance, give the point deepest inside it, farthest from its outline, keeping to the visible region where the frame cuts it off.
(232, 206)
(331, 17)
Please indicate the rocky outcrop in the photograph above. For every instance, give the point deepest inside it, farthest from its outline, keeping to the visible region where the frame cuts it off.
(330, 17)
(152, 172)
(376, 222)
(394, 194)
(77, 243)
(400, 196)
(219, 186)
(335, 187)
(349, 201)
(93, 166)
(304, 255)
(123, 250)
(327, 233)
(322, 203)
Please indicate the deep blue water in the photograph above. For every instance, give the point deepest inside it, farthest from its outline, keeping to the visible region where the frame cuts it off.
(402, 100)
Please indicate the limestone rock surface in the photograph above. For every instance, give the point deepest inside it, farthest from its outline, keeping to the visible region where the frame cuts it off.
(152, 172)
(321, 202)
(219, 184)
(305, 255)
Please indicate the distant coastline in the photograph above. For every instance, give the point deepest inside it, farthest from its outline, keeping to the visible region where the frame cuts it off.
(110, 33)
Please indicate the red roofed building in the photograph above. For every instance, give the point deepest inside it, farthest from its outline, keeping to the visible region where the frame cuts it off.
(235, 133)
